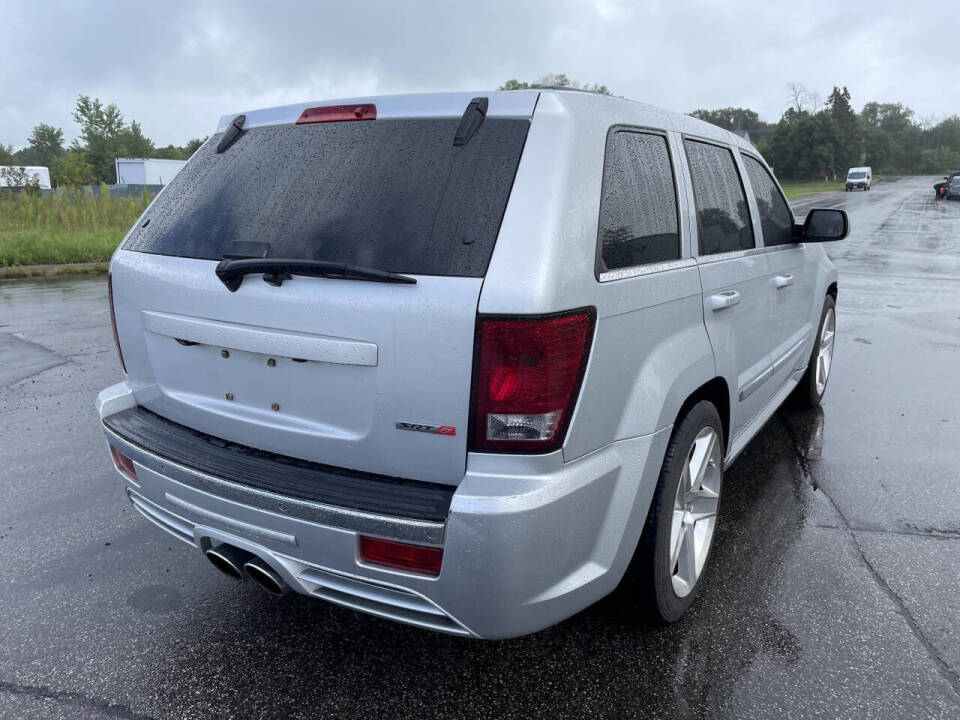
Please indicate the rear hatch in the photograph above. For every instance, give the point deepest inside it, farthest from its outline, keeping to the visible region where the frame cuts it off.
(359, 374)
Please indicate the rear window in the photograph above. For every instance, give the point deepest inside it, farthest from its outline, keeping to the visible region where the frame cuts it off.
(638, 207)
(394, 195)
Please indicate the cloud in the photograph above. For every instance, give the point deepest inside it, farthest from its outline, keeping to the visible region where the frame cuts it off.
(177, 66)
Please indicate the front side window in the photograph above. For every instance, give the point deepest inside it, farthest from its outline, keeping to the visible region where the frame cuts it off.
(723, 217)
(638, 206)
(776, 220)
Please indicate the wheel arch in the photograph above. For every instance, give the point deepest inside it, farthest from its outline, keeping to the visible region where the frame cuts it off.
(717, 392)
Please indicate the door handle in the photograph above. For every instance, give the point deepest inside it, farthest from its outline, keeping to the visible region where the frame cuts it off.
(781, 281)
(725, 299)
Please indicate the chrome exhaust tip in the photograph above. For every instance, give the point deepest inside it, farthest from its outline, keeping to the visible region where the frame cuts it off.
(229, 560)
(265, 576)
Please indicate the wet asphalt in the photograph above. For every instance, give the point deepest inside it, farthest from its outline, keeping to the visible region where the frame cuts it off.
(834, 590)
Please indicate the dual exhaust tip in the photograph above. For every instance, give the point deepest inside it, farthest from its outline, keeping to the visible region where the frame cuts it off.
(241, 564)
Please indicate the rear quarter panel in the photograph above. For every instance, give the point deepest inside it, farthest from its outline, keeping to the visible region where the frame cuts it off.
(650, 348)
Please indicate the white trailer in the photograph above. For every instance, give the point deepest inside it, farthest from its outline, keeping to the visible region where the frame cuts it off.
(147, 171)
(10, 176)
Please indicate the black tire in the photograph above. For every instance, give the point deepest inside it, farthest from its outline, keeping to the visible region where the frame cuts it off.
(649, 578)
(805, 394)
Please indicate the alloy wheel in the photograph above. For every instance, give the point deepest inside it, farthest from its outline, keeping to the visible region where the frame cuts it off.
(825, 350)
(694, 516)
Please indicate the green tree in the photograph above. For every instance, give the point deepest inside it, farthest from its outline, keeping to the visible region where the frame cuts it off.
(104, 136)
(945, 134)
(45, 145)
(848, 151)
(170, 152)
(193, 144)
(938, 161)
(738, 120)
(133, 143)
(100, 129)
(555, 80)
(6, 154)
(893, 140)
(804, 145)
(730, 118)
(74, 170)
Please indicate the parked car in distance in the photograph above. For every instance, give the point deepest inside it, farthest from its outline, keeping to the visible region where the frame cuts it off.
(859, 178)
(940, 188)
(953, 186)
(462, 361)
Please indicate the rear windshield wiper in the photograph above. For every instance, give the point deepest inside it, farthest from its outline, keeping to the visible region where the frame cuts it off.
(276, 270)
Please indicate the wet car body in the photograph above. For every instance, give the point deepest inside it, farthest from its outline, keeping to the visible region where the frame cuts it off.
(328, 420)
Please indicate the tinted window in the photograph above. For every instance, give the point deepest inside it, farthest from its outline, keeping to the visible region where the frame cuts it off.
(723, 217)
(776, 220)
(390, 194)
(638, 209)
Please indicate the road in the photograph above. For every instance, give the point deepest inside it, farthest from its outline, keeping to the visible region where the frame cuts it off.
(835, 589)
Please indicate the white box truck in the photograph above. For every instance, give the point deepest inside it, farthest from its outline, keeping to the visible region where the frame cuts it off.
(20, 176)
(146, 171)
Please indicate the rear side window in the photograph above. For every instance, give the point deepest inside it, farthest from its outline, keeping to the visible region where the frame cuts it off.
(723, 217)
(776, 220)
(389, 194)
(638, 207)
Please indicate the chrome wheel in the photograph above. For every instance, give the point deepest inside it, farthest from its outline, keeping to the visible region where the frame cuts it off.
(695, 511)
(825, 350)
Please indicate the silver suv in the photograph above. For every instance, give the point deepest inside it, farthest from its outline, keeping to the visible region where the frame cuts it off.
(462, 361)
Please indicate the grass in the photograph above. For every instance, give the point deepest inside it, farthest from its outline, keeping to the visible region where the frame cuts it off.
(799, 189)
(69, 227)
(33, 271)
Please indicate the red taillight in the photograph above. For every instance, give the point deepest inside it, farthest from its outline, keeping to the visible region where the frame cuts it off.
(401, 556)
(338, 113)
(123, 463)
(113, 320)
(527, 375)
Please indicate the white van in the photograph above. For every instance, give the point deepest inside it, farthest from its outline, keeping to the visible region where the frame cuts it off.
(859, 177)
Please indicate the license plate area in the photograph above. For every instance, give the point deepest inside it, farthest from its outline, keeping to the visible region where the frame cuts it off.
(307, 396)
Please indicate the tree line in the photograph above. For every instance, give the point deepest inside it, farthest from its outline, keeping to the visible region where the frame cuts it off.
(104, 136)
(815, 139)
(818, 140)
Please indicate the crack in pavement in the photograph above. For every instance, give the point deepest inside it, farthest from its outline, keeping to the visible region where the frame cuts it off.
(19, 381)
(42, 692)
(886, 531)
(947, 672)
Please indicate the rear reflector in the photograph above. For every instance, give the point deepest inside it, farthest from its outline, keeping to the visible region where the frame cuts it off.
(123, 463)
(401, 556)
(527, 375)
(338, 113)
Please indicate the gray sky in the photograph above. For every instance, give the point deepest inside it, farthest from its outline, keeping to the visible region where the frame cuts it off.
(177, 66)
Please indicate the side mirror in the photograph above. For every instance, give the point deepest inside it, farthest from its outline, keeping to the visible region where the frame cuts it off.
(824, 225)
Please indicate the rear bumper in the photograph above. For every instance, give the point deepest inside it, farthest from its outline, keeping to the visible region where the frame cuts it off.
(528, 540)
